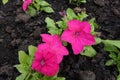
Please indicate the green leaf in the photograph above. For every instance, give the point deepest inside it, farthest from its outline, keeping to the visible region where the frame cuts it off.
(114, 42)
(52, 29)
(47, 9)
(4, 1)
(64, 43)
(36, 76)
(23, 57)
(44, 3)
(108, 46)
(98, 40)
(118, 57)
(22, 68)
(70, 14)
(109, 62)
(60, 78)
(89, 51)
(82, 16)
(38, 1)
(62, 24)
(31, 11)
(50, 23)
(113, 55)
(118, 67)
(21, 77)
(37, 6)
(93, 24)
(83, 1)
(118, 77)
(32, 49)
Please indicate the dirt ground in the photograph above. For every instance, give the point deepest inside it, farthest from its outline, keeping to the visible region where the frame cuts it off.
(18, 30)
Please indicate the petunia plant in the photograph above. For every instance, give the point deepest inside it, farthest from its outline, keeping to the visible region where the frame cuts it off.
(75, 30)
(33, 7)
(43, 62)
(40, 64)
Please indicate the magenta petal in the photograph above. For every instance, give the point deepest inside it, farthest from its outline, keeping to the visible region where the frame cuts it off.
(51, 39)
(35, 65)
(77, 46)
(59, 57)
(67, 35)
(38, 55)
(60, 52)
(56, 40)
(86, 26)
(50, 66)
(46, 38)
(42, 47)
(24, 6)
(87, 39)
(63, 50)
(50, 70)
(74, 25)
(50, 56)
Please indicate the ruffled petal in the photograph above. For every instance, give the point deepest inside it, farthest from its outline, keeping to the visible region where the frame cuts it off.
(46, 38)
(38, 55)
(77, 46)
(51, 39)
(87, 39)
(86, 27)
(56, 40)
(60, 52)
(36, 65)
(26, 4)
(74, 25)
(50, 57)
(67, 36)
(50, 70)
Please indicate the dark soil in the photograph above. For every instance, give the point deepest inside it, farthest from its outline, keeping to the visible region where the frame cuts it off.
(18, 30)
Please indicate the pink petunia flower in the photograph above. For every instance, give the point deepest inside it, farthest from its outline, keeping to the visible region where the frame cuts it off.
(54, 43)
(26, 4)
(45, 62)
(78, 35)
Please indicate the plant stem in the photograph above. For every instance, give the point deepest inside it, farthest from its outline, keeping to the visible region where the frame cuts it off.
(27, 77)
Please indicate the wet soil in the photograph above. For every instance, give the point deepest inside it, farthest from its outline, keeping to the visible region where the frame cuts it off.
(18, 30)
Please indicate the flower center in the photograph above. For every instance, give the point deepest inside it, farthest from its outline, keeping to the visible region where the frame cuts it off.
(42, 62)
(76, 33)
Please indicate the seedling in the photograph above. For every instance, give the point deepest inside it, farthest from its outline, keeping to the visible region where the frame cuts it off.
(77, 2)
(36, 6)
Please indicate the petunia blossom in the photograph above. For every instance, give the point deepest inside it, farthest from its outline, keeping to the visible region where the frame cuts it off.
(78, 35)
(54, 43)
(26, 4)
(45, 62)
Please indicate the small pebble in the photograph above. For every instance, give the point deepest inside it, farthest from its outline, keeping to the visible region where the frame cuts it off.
(8, 29)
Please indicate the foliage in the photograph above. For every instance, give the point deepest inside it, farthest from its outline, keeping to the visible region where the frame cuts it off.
(37, 6)
(113, 46)
(77, 2)
(89, 51)
(59, 26)
(25, 67)
(4, 1)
